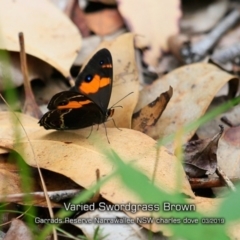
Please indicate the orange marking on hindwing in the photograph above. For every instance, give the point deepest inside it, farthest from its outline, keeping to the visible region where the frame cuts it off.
(94, 85)
(74, 104)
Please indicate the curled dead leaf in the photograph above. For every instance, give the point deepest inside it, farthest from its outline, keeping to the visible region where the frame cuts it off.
(148, 116)
(192, 96)
(200, 156)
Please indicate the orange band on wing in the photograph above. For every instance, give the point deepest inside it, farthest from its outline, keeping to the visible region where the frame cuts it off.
(94, 85)
(74, 104)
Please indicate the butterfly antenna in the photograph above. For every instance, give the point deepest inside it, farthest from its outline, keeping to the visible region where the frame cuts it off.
(116, 106)
(120, 100)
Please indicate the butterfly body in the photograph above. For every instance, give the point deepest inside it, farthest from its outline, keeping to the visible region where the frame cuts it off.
(86, 104)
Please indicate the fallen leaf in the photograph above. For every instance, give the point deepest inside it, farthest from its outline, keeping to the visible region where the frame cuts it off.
(63, 148)
(149, 24)
(192, 96)
(49, 36)
(89, 44)
(77, 15)
(80, 159)
(18, 231)
(229, 152)
(104, 22)
(125, 79)
(10, 125)
(206, 206)
(56, 182)
(200, 156)
(37, 69)
(149, 115)
(11, 184)
(10, 181)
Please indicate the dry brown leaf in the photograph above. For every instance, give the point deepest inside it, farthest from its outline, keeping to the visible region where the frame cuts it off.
(149, 23)
(194, 87)
(37, 69)
(71, 154)
(207, 206)
(149, 115)
(200, 156)
(229, 152)
(104, 22)
(56, 182)
(10, 181)
(125, 79)
(77, 15)
(11, 185)
(9, 123)
(49, 35)
(18, 231)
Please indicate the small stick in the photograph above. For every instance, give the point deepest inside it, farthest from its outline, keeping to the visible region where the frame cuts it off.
(222, 175)
(56, 196)
(208, 182)
(30, 105)
(96, 196)
(200, 49)
(227, 54)
(225, 120)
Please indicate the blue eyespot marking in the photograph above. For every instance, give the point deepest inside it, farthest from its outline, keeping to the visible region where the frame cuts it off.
(101, 62)
(88, 78)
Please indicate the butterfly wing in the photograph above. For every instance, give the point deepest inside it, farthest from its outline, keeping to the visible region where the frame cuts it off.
(95, 81)
(71, 110)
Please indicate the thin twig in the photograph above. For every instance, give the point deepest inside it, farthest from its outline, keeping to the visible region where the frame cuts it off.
(200, 49)
(227, 54)
(225, 120)
(208, 182)
(30, 105)
(53, 195)
(96, 196)
(225, 178)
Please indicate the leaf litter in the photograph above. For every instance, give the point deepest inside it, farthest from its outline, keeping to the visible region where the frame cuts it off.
(71, 154)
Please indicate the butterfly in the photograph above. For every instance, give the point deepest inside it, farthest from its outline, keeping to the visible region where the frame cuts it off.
(86, 104)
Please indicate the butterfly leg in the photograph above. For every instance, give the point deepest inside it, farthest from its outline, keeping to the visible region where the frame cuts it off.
(106, 132)
(90, 132)
(115, 124)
